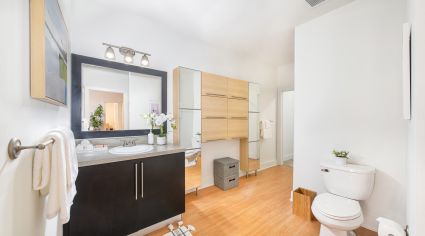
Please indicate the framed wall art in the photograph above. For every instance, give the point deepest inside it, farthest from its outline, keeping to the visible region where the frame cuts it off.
(49, 52)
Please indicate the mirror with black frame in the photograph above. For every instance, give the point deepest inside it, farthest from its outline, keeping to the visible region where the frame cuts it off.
(109, 99)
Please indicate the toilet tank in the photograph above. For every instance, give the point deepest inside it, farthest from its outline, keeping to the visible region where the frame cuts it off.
(350, 181)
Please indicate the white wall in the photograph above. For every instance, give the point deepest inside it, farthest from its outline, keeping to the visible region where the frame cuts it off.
(170, 49)
(416, 160)
(287, 125)
(285, 77)
(348, 85)
(25, 118)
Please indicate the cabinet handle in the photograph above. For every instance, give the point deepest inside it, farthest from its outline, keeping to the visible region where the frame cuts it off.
(209, 140)
(230, 180)
(141, 176)
(230, 167)
(238, 117)
(240, 98)
(216, 95)
(215, 117)
(135, 177)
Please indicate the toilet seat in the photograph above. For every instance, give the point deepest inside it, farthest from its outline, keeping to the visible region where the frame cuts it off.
(337, 208)
(337, 212)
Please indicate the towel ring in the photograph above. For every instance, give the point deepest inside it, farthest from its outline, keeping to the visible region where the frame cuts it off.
(15, 147)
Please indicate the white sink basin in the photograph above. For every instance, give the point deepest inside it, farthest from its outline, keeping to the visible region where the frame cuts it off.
(138, 149)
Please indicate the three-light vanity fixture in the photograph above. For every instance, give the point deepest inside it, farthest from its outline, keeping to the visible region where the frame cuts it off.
(128, 54)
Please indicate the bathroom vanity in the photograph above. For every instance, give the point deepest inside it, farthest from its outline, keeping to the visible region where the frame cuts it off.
(119, 195)
(120, 192)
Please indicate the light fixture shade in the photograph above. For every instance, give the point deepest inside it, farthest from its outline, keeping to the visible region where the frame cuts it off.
(109, 53)
(145, 60)
(129, 56)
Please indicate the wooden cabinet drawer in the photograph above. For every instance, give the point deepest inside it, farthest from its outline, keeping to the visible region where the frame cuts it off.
(237, 109)
(237, 128)
(214, 107)
(214, 129)
(237, 89)
(214, 85)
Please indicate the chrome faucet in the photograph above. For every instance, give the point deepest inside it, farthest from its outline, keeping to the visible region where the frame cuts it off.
(129, 143)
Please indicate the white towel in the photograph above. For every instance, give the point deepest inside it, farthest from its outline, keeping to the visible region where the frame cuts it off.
(266, 129)
(41, 169)
(59, 184)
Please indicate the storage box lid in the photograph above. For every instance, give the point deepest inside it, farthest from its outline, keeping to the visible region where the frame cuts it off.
(226, 161)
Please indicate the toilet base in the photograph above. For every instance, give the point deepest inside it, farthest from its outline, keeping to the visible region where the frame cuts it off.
(326, 231)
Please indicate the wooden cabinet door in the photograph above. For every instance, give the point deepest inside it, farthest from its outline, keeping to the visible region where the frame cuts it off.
(213, 85)
(237, 128)
(105, 203)
(214, 107)
(214, 129)
(237, 109)
(237, 89)
(162, 189)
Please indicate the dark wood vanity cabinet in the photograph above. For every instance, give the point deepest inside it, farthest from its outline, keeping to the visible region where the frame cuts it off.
(123, 197)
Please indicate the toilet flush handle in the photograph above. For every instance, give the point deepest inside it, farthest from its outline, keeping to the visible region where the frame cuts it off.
(324, 170)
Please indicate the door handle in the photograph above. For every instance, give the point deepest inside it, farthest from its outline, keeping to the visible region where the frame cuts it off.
(135, 177)
(141, 177)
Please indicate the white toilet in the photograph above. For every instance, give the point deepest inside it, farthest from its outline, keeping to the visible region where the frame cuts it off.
(339, 211)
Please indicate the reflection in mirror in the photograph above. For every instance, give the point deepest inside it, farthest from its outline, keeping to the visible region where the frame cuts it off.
(116, 100)
(190, 108)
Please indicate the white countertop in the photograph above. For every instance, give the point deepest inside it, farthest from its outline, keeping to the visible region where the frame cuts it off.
(97, 158)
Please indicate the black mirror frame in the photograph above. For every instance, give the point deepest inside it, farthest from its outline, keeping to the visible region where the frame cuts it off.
(77, 61)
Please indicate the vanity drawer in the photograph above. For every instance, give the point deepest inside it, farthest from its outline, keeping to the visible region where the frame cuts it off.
(214, 85)
(237, 128)
(237, 109)
(214, 129)
(214, 107)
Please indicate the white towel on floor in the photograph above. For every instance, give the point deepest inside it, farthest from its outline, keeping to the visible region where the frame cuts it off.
(266, 131)
(59, 184)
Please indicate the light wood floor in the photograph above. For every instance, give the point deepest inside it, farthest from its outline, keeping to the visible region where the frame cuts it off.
(259, 206)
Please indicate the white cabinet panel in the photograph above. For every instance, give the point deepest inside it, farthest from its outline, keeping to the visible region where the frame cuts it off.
(190, 88)
(253, 150)
(190, 128)
(254, 93)
(254, 127)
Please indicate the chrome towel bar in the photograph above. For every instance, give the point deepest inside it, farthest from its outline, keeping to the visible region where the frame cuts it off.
(15, 147)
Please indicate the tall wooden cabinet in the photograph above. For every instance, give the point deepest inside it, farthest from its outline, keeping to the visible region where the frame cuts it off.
(224, 112)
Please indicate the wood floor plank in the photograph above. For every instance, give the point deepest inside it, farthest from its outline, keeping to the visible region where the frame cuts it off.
(259, 206)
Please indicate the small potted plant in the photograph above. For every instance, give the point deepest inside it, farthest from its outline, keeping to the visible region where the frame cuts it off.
(341, 157)
(150, 118)
(160, 120)
(96, 118)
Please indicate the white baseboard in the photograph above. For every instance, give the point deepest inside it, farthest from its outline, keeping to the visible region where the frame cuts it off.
(157, 226)
(288, 157)
(268, 164)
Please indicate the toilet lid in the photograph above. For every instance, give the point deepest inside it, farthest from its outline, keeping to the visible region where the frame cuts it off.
(337, 207)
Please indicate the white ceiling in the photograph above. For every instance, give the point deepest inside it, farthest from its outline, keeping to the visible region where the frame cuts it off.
(261, 28)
